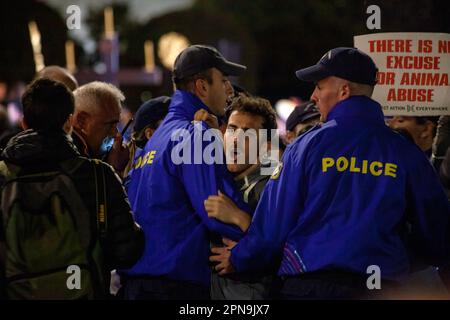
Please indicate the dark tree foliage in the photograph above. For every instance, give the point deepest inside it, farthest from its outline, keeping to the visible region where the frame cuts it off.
(291, 34)
(276, 37)
(199, 26)
(16, 54)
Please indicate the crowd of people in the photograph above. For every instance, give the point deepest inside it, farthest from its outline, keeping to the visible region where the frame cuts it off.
(87, 216)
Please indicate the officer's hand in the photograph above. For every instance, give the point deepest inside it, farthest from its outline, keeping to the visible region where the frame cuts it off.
(230, 244)
(119, 155)
(222, 257)
(210, 119)
(224, 209)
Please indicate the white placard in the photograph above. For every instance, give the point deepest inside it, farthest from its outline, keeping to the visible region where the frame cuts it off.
(413, 71)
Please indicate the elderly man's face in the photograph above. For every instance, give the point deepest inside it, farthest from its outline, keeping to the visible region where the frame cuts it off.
(101, 124)
(326, 94)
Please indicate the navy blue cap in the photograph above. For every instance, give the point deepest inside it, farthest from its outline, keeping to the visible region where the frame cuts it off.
(198, 58)
(346, 63)
(151, 111)
(302, 113)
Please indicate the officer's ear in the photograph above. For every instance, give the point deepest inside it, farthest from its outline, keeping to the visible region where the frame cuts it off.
(201, 88)
(344, 91)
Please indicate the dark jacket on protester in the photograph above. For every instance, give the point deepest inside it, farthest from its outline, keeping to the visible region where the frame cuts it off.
(39, 152)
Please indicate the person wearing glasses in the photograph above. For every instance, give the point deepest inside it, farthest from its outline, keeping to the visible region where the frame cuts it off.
(97, 112)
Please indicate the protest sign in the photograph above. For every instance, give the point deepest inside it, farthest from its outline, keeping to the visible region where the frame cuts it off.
(413, 72)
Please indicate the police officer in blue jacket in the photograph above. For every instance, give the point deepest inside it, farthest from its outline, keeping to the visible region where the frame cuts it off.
(172, 179)
(351, 197)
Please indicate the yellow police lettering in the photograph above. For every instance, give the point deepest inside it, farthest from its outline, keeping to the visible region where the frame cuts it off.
(390, 170)
(151, 157)
(327, 163)
(374, 172)
(362, 166)
(353, 167)
(144, 160)
(138, 163)
(341, 164)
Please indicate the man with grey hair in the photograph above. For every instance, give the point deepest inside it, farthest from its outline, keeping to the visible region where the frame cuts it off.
(97, 112)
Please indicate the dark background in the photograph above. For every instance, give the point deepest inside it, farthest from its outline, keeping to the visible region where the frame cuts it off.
(275, 37)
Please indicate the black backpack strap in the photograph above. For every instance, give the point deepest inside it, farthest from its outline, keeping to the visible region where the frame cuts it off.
(100, 196)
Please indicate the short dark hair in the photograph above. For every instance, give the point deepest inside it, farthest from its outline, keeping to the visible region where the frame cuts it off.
(256, 106)
(47, 105)
(187, 83)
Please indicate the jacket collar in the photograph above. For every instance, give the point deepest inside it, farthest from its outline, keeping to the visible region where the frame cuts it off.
(357, 108)
(186, 104)
(32, 147)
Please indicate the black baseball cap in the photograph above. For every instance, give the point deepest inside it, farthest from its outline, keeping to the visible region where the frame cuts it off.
(198, 58)
(150, 111)
(302, 113)
(346, 63)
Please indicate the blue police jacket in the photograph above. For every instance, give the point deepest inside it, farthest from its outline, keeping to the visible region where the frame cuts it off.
(341, 198)
(167, 197)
